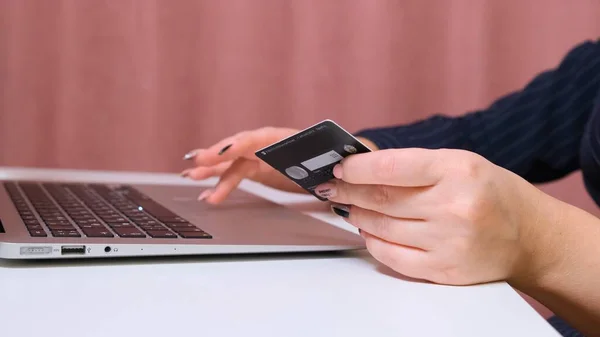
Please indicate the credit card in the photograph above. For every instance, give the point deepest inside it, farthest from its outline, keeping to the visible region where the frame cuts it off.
(307, 158)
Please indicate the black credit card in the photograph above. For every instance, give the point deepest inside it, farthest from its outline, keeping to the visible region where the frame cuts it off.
(308, 157)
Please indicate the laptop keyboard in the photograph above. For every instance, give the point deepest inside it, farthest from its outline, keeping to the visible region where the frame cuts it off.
(96, 211)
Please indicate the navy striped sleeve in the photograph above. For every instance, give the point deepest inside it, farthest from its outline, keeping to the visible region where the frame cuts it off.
(534, 132)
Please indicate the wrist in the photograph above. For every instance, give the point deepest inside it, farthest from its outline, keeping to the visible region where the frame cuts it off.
(562, 273)
(541, 242)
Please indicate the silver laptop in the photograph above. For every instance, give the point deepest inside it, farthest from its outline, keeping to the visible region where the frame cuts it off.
(70, 219)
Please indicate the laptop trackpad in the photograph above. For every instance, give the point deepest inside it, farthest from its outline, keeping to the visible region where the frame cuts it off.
(240, 205)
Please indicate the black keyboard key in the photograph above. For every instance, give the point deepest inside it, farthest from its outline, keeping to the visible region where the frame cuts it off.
(81, 213)
(60, 227)
(95, 201)
(172, 219)
(180, 225)
(97, 233)
(108, 212)
(120, 225)
(148, 223)
(162, 234)
(54, 212)
(138, 219)
(71, 205)
(78, 212)
(85, 221)
(54, 218)
(188, 230)
(66, 233)
(31, 222)
(129, 232)
(46, 210)
(154, 228)
(113, 218)
(37, 233)
(133, 235)
(83, 217)
(195, 235)
(43, 205)
(34, 227)
(92, 225)
(96, 205)
(57, 222)
(51, 219)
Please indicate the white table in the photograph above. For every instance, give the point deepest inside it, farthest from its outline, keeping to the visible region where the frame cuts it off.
(303, 295)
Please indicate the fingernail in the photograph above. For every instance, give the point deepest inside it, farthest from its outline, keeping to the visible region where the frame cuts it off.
(190, 155)
(341, 210)
(224, 149)
(205, 195)
(337, 171)
(185, 173)
(326, 191)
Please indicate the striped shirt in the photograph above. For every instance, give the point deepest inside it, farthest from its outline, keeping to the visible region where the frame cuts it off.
(543, 132)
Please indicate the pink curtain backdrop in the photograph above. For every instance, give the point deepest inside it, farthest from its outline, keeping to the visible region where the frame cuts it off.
(133, 85)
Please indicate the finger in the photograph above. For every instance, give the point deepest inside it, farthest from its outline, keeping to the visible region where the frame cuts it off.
(196, 153)
(404, 260)
(200, 172)
(214, 154)
(231, 178)
(398, 167)
(243, 144)
(406, 232)
(402, 202)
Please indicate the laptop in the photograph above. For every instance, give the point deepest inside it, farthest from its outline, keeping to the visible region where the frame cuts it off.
(60, 218)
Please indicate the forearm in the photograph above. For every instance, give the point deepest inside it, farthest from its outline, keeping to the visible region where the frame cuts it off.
(534, 132)
(565, 274)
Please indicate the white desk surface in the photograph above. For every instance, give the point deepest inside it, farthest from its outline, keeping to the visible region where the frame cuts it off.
(302, 295)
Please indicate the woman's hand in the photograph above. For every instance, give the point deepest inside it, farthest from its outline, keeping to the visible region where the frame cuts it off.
(233, 159)
(447, 216)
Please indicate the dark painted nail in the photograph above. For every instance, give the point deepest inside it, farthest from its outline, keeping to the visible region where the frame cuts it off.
(343, 211)
(326, 190)
(224, 149)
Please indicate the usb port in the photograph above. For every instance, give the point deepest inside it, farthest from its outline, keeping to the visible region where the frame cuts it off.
(72, 250)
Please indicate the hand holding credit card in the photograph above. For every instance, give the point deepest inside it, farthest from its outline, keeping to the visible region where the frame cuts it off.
(308, 157)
